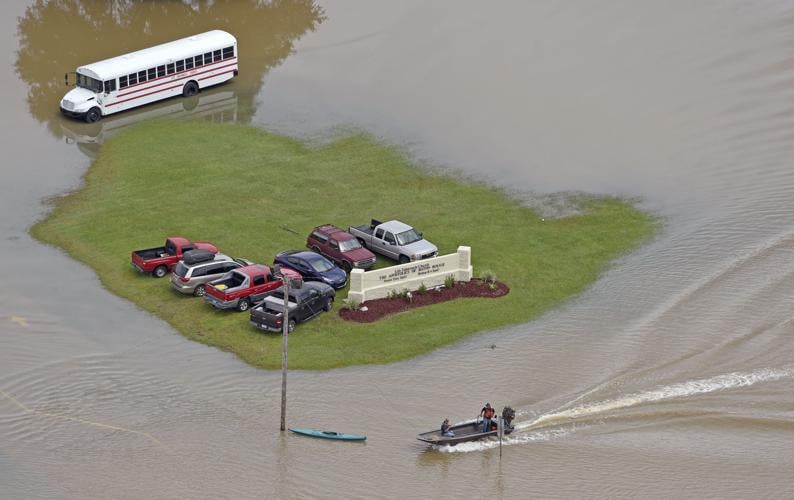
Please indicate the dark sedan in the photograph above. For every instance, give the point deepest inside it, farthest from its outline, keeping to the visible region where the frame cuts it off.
(313, 267)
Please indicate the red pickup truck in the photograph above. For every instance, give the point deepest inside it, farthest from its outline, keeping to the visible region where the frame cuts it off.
(240, 288)
(158, 261)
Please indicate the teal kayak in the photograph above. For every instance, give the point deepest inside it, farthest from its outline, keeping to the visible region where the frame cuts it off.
(328, 435)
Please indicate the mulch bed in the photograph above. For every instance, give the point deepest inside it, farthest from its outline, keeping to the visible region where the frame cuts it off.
(380, 308)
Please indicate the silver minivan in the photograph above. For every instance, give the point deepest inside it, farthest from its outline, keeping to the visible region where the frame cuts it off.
(191, 278)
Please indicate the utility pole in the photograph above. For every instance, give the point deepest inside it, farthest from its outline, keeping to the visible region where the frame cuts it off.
(500, 426)
(284, 335)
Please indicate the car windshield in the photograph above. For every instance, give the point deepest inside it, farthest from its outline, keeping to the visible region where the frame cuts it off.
(89, 83)
(320, 264)
(408, 237)
(346, 246)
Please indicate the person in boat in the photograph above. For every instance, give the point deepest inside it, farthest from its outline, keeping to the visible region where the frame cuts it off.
(445, 429)
(487, 413)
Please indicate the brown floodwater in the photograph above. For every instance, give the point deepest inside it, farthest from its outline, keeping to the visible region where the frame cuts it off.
(672, 375)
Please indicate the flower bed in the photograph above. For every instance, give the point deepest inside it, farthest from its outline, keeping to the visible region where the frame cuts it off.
(380, 308)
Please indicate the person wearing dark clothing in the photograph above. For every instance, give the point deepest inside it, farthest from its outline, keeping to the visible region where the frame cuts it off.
(487, 413)
(445, 429)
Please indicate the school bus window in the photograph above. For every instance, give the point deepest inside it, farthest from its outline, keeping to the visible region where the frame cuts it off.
(122, 82)
(170, 68)
(189, 63)
(180, 65)
(152, 74)
(216, 56)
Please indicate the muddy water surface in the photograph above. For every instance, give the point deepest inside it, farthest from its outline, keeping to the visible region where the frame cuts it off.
(673, 374)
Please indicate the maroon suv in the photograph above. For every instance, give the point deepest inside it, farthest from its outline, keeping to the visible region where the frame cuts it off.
(341, 247)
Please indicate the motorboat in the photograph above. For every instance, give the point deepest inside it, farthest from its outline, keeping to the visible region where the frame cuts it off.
(469, 431)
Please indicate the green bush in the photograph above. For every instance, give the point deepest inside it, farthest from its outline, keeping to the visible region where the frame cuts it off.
(488, 276)
(422, 289)
(351, 304)
(449, 281)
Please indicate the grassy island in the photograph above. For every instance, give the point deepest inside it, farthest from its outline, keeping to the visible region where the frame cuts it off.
(253, 194)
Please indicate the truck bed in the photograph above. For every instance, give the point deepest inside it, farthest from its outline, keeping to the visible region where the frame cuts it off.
(367, 229)
(152, 253)
(269, 311)
(230, 283)
(274, 305)
(364, 228)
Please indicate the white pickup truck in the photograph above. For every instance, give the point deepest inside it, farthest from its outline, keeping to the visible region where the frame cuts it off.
(395, 240)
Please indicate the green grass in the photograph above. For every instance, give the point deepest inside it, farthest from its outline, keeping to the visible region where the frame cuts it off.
(239, 187)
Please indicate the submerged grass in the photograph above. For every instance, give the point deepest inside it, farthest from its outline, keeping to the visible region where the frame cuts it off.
(250, 192)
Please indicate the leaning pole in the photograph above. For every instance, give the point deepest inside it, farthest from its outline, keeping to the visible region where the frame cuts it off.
(284, 335)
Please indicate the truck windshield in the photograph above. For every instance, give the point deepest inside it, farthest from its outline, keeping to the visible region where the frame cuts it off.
(89, 83)
(408, 237)
(346, 246)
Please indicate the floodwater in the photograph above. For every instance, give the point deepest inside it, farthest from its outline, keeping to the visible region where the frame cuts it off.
(671, 376)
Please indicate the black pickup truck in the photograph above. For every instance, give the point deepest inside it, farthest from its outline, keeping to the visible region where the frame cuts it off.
(304, 303)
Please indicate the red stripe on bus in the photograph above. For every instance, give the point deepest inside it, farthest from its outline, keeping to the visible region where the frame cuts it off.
(219, 74)
(177, 79)
(143, 95)
(172, 75)
(167, 88)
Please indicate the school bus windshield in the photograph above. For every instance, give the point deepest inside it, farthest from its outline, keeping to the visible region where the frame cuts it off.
(89, 83)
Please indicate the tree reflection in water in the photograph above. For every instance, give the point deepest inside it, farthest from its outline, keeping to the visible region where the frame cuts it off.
(57, 36)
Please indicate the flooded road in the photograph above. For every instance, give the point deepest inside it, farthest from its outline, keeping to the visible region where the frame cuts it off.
(672, 374)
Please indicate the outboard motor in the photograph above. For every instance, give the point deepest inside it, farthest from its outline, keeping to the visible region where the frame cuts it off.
(508, 414)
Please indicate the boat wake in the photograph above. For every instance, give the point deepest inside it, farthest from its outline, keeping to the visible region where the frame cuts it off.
(566, 421)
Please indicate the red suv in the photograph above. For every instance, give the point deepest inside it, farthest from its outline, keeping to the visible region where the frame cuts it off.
(341, 247)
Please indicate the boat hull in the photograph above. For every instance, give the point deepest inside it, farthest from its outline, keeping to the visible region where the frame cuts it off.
(471, 431)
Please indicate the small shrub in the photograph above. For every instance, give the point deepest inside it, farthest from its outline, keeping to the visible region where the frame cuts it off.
(394, 294)
(422, 289)
(351, 304)
(449, 281)
(405, 294)
(488, 276)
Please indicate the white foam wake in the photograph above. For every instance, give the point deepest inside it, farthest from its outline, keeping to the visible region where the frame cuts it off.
(727, 381)
(533, 430)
